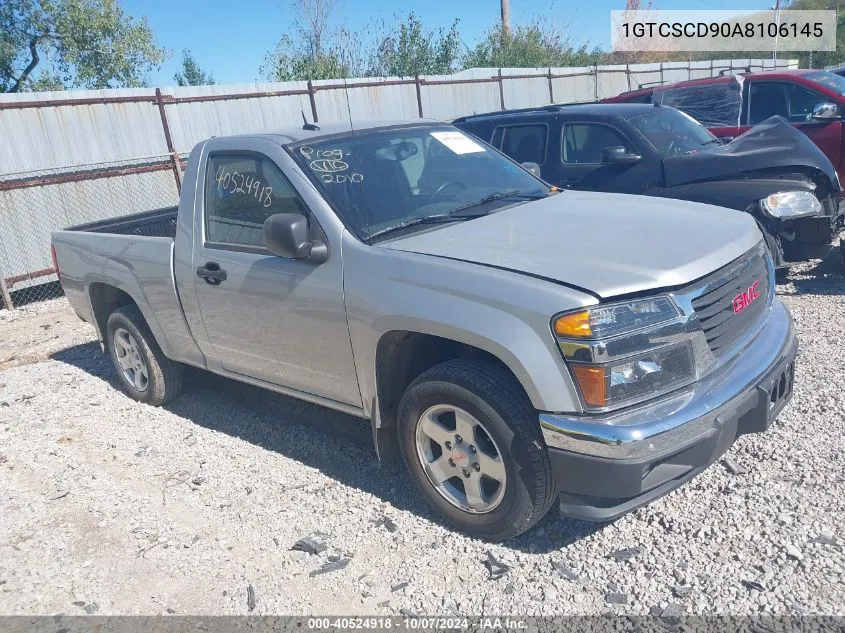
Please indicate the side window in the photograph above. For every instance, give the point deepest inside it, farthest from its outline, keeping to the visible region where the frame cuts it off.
(524, 143)
(241, 191)
(766, 100)
(583, 143)
(801, 103)
(496, 141)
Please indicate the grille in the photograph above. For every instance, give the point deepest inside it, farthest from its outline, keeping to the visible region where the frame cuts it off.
(721, 324)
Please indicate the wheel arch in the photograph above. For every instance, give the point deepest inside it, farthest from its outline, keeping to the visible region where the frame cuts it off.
(402, 354)
(106, 298)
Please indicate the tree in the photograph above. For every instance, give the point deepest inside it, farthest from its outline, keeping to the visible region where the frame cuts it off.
(192, 74)
(289, 61)
(820, 59)
(410, 49)
(536, 44)
(643, 56)
(313, 51)
(86, 43)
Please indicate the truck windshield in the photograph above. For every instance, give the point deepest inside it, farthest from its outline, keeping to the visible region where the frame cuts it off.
(830, 81)
(382, 181)
(672, 132)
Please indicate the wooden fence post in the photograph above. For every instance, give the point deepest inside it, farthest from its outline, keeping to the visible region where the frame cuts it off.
(501, 90)
(551, 88)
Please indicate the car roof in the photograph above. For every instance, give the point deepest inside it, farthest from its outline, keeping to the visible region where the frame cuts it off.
(709, 81)
(320, 130)
(603, 110)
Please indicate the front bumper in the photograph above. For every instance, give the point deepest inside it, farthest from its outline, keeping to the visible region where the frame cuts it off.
(608, 465)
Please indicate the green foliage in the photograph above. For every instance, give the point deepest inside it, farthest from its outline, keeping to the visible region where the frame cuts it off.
(410, 49)
(292, 61)
(86, 43)
(192, 74)
(820, 59)
(534, 45)
(406, 47)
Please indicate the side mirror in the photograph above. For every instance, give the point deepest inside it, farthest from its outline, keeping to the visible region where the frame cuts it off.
(286, 235)
(534, 168)
(826, 112)
(618, 156)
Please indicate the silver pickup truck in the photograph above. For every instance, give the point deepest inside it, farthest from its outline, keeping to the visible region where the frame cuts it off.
(516, 344)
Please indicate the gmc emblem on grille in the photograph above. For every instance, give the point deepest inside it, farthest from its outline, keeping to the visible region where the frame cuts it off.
(746, 298)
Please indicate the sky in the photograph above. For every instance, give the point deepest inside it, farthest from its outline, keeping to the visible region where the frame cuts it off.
(231, 38)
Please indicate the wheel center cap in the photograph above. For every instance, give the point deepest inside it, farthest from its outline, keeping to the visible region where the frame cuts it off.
(460, 456)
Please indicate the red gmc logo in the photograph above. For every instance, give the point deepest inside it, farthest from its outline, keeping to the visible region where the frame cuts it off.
(746, 298)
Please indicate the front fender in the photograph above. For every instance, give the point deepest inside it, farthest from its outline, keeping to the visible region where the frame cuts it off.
(503, 313)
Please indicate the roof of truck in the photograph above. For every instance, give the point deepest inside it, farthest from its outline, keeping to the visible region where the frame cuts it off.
(301, 133)
(709, 81)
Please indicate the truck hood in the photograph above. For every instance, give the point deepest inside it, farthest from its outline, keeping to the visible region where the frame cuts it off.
(605, 244)
(771, 145)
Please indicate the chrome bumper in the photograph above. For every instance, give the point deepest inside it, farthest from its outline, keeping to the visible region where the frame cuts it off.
(680, 419)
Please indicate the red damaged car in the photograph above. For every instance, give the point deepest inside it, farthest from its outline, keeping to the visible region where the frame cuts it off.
(811, 100)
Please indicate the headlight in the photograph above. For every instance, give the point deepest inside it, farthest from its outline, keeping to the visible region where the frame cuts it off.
(791, 204)
(626, 352)
(609, 320)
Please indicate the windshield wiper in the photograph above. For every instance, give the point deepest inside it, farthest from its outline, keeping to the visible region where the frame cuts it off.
(455, 215)
(513, 194)
(427, 219)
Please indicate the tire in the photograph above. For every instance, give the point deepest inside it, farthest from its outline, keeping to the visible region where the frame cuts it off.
(163, 377)
(495, 400)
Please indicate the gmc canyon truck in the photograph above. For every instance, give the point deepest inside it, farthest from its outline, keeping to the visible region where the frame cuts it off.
(516, 344)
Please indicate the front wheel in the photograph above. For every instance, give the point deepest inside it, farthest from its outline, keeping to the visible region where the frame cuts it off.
(471, 441)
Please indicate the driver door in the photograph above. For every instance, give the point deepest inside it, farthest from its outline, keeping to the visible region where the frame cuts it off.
(277, 320)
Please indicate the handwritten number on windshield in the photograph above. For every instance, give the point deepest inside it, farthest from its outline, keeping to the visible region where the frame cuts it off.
(235, 182)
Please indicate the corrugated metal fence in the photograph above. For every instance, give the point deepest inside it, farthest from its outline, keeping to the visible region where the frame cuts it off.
(78, 156)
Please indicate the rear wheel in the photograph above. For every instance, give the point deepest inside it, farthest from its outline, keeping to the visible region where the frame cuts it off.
(145, 374)
(471, 441)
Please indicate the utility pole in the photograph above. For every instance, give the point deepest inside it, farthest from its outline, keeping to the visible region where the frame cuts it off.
(506, 17)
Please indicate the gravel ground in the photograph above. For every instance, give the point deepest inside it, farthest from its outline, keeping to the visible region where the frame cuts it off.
(113, 507)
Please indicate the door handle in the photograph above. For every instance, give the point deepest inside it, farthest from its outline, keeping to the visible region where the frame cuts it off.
(212, 273)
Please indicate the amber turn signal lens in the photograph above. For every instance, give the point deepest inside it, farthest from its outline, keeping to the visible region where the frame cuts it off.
(575, 325)
(592, 382)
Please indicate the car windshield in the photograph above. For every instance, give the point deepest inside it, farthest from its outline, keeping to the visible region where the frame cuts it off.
(672, 132)
(386, 180)
(828, 80)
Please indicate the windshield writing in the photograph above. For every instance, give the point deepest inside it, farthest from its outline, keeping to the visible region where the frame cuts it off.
(378, 180)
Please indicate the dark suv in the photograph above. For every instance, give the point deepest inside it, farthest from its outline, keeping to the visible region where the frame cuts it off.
(773, 171)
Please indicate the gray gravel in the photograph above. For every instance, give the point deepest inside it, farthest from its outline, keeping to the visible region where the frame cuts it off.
(113, 507)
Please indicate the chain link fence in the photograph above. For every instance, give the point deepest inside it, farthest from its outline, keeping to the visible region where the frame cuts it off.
(34, 204)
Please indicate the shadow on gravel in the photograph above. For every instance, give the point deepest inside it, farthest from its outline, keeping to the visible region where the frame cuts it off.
(825, 278)
(338, 445)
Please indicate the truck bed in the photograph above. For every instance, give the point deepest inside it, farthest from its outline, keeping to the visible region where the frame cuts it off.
(130, 254)
(155, 223)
